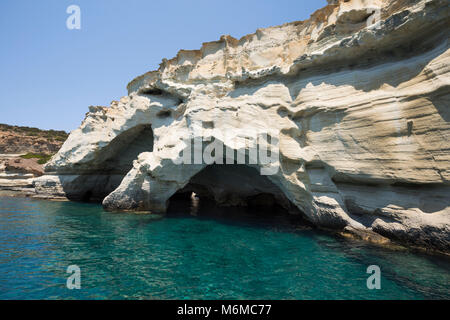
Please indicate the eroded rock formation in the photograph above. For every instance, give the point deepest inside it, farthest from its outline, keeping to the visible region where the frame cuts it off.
(359, 94)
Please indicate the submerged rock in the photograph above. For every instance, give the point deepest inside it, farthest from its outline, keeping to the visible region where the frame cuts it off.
(358, 96)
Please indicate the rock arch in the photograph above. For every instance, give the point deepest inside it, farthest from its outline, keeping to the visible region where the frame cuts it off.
(93, 180)
(237, 185)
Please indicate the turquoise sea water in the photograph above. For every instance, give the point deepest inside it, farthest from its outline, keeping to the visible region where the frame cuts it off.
(132, 256)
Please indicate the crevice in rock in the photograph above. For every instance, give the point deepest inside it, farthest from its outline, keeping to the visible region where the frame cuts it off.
(164, 114)
(152, 92)
(157, 92)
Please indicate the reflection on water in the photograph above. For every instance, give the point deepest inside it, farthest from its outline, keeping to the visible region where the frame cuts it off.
(225, 256)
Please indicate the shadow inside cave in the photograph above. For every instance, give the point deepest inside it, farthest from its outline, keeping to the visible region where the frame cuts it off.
(236, 194)
(93, 181)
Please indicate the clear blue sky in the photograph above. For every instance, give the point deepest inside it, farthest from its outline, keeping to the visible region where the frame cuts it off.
(49, 75)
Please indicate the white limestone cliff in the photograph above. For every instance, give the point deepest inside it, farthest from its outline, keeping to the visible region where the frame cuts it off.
(361, 105)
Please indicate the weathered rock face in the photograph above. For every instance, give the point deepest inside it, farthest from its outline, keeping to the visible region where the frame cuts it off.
(359, 95)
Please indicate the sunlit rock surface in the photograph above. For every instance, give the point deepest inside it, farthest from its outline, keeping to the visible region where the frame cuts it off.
(359, 94)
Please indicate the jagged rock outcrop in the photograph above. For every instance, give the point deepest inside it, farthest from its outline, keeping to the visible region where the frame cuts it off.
(358, 95)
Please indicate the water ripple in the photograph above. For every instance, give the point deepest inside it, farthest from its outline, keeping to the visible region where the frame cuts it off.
(129, 256)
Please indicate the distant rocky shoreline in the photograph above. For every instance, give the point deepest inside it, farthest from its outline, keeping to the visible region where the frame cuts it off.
(23, 152)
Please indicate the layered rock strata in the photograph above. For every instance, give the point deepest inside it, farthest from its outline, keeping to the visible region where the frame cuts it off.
(17, 174)
(359, 95)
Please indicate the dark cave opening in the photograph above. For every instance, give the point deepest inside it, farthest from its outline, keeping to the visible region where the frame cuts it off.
(87, 196)
(235, 193)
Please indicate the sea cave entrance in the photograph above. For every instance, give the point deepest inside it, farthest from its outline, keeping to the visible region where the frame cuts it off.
(233, 192)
